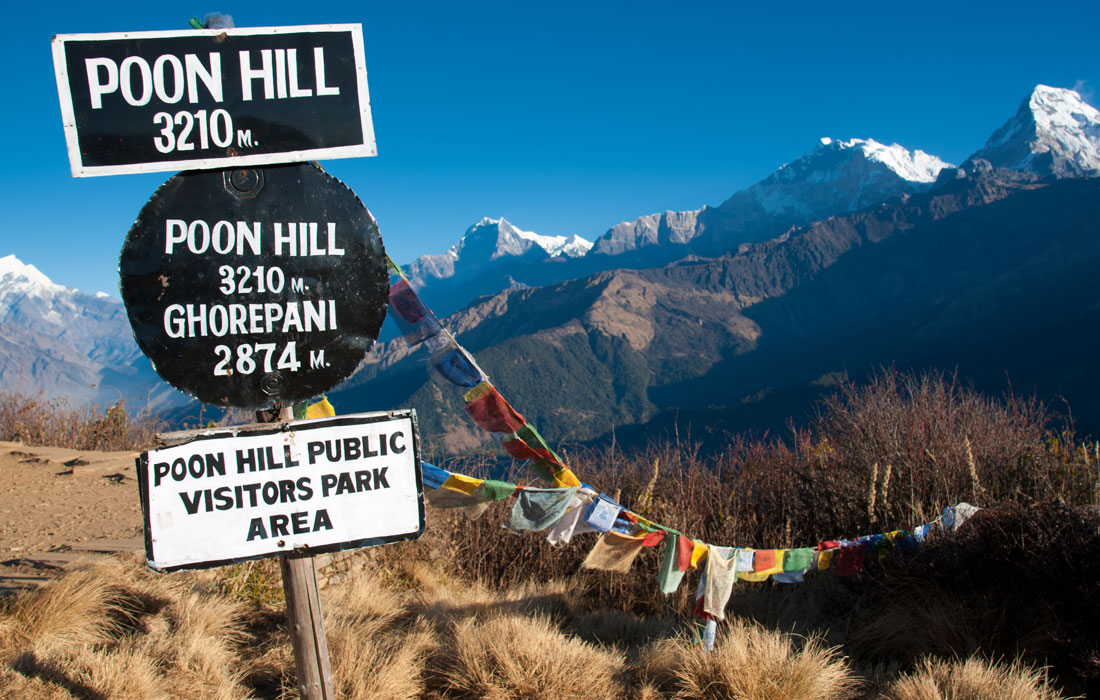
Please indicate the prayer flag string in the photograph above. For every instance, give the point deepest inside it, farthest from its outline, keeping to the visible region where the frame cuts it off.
(484, 403)
(571, 507)
(624, 534)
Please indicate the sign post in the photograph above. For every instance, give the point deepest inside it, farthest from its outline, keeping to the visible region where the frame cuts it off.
(254, 284)
(292, 489)
(260, 284)
(135, 102)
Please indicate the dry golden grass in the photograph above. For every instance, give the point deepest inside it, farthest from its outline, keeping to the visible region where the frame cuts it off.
(117, 631)
(64, 618)
(750, 663)
(374, 654)
(526, 657)
(972, 679)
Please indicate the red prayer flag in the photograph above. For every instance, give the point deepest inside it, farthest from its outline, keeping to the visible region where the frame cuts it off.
(764, 560)
(652, 539)
(493, 413)
(849, 560)
(684, 548)
(519, 449)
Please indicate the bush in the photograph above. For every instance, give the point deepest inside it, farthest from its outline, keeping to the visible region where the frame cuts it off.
(38, 420)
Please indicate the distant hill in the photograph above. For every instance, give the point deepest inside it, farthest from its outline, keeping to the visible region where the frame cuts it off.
(985, 271)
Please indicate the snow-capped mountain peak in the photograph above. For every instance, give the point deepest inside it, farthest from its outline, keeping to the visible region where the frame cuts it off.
(510, 240)
(838, 176)
(913, 166)
(834, 177)
(18, 279)
(493, 241)
(1054, 132)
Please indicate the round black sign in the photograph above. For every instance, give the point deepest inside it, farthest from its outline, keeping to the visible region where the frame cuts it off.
(254, 285)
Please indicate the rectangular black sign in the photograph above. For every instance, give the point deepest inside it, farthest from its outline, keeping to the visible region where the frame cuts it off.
(212, 98)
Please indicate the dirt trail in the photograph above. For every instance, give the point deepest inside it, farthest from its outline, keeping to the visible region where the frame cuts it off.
(60, 507)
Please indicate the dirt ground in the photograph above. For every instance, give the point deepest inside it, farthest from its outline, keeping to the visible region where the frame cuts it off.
(51, 497)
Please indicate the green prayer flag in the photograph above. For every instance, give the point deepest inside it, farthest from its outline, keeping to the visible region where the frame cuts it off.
(492, 490)
(544, 469)
(798, 559)
(669, 577)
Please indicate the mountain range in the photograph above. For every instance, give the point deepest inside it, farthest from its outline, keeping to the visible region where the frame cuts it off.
(852, 256)
(61, 342)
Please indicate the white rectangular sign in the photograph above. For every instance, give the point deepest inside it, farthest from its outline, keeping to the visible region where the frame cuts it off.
(136, 102)
(231, 495)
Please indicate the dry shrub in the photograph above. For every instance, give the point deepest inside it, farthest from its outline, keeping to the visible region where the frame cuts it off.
(517, 657)
(256, 582)
(197, 652)
(750, 663)
(911, 619)
(972, 679)
(36, 419)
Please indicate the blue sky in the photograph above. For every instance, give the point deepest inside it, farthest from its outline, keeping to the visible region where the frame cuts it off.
(567, 117)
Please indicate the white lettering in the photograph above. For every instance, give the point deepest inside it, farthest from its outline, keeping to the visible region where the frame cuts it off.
(248, 74)
(203, 229)
(223, 236)
(280, 73)
(236, 319)
(96, 88)
(170, 238)
(196, 317)
(125, 75)
(219, 320)
(332, 249)
(272, 314)
(251, 235)
(211, 78)
(255, 318)
(290, 238)
(292, 321)
(173, 321)
(177, 79)
(292, 71)
(319, 69)
(314, 243)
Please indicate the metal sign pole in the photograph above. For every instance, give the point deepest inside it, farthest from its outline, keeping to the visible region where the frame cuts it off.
(304, 617)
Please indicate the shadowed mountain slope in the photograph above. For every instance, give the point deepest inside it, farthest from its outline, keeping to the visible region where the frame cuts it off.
(971, 273)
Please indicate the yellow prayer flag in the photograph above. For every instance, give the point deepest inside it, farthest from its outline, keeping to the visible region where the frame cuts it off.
(321, 409)
(462, 483)
(825, 559)
(566, 479)
(477, 391)
(698, 551)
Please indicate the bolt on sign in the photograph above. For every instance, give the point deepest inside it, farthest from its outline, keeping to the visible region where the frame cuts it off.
(172, 100)
(248, 286)
(236, 494)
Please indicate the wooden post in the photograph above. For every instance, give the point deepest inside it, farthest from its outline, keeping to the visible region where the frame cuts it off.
(307, 627)
(303, 614)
